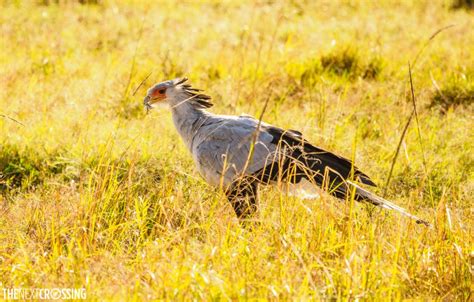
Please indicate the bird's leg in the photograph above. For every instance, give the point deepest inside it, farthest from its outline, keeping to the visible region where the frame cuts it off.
(242, 195)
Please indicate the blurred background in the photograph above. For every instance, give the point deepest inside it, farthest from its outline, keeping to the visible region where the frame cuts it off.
(92, 187)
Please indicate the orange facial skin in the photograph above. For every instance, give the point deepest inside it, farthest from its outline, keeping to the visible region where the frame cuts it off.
(158, 95)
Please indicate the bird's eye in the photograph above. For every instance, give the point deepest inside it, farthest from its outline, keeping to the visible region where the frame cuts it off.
(161, 91)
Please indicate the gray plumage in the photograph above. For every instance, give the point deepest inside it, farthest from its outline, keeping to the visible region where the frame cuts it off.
(240, 152)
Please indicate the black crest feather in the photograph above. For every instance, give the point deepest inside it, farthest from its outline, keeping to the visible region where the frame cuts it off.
(195, 97)
(181, 81)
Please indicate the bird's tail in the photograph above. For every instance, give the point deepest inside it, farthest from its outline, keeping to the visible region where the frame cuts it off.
(364, 195)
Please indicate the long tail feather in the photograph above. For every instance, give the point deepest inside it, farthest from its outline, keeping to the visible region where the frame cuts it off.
(381, 202)
(326, 169)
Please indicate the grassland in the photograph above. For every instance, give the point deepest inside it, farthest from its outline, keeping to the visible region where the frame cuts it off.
(95, 193)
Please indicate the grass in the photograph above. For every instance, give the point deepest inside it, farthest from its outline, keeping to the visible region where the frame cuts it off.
(463, 4)
(94, 193)
(458, 91)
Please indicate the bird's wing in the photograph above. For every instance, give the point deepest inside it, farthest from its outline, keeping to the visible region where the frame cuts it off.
(315, 158)
(229, 146)
(232, 146)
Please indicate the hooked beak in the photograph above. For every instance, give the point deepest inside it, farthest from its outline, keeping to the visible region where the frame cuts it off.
(146, 103)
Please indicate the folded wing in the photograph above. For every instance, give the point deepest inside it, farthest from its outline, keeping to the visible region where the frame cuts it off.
(230, 147)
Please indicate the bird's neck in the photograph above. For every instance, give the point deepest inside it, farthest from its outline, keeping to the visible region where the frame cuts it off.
(187, 120)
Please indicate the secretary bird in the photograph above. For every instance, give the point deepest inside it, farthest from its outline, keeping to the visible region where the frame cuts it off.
(240, 152)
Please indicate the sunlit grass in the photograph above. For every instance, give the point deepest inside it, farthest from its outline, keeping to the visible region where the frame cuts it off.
(95, 193)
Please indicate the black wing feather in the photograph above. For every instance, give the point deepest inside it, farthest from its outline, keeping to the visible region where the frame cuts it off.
(302, 157)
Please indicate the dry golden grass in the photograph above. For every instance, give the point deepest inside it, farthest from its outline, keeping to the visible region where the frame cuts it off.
(96, 194)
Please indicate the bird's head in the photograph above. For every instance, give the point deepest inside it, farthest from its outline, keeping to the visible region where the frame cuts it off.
(175, 92)
(160, 92)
